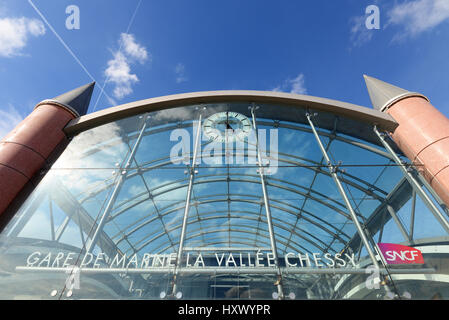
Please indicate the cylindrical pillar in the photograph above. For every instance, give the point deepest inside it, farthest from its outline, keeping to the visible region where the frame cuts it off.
(422, 133)
(423, 136)
(25, 150)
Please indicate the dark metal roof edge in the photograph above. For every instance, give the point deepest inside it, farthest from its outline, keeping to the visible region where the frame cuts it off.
(382, 120)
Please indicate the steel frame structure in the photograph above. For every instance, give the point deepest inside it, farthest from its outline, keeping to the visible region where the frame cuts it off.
(253, 235)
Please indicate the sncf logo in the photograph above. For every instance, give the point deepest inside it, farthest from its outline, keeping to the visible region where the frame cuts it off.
(399, 254)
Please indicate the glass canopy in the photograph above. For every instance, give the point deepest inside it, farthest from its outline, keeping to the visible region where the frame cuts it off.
(226, 201)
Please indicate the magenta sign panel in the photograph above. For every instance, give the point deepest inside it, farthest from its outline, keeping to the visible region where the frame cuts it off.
(399, 254)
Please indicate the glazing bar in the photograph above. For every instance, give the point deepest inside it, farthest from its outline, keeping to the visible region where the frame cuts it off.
(187, 206)
(415, 185)
(233, 270)
(117, 189)
(267, 206)
(398, 223)
(214, 249)
(352, 213)
(412, 215)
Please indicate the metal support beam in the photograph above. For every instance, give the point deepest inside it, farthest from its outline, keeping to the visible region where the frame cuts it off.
(352, 213)
(432, 192)
(381, 231)
(267, 205)
(78, 214)
(415, 185)
(187, 207)
(117, 188)
(412, 214)
(230, 249)
(52, 220)
(227, 270)
(61, 228)
(398, 223)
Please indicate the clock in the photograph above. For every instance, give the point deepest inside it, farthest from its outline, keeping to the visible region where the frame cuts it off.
(227, 126)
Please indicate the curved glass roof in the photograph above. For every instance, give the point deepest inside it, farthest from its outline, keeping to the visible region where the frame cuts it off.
(155, 182)
(227, 206)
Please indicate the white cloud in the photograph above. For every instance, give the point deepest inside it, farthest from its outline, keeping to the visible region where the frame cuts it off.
(14, 34)
(411, 17)
(298, 85)
(360, 34)
(119, 68)
(89, 181)
(295, 85)
(9, 119)
(418, 16)
(180, 73)
(119, 73)
(132, 48)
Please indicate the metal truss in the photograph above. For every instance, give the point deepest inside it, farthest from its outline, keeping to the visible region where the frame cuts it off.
(195, 225)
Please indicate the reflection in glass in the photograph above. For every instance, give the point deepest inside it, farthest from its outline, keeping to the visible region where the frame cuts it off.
(108, 216)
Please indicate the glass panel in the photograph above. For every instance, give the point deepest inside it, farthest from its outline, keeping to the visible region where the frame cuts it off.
(114, 202)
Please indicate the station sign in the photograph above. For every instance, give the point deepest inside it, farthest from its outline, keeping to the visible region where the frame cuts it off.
(400, 254)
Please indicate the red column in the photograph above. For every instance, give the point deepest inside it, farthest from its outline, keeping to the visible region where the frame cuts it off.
(25, 150)
(423, 136)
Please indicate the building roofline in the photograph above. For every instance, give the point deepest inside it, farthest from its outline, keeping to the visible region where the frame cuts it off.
(382, 120)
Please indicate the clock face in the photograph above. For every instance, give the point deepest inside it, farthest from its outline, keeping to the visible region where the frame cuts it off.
(227, 126)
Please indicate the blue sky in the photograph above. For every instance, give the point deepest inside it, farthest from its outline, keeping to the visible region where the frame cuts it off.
(137, 49)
